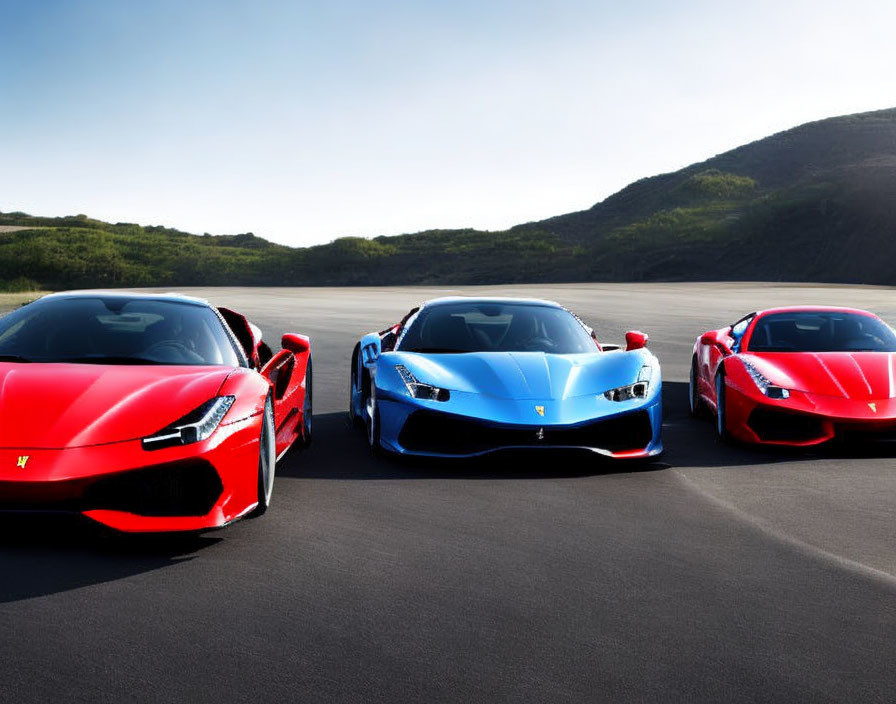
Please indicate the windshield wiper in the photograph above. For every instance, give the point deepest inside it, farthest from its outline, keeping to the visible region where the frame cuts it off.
(14, 358)
(108, 360)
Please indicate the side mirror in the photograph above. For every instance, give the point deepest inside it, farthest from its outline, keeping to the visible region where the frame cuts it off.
(370, 348)
(297, 344)
(717, 339)
(709, 338)
(635, 340)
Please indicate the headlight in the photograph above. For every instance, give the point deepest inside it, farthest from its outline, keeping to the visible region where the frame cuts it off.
(636, 390)
(626, 393)
(196, 426)
(764, 385)
(418, 389)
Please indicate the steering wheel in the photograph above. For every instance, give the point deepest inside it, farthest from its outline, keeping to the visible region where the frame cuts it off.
(180, 349)
(538, 344)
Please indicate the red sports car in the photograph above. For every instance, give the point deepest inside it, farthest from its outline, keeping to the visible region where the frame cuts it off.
(798, 376)
(145, 412)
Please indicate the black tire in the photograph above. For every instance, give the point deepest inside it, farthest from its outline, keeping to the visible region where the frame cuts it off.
(695, 403)
(304, 440)
(721, 414)
(267, 460)
(357, 421)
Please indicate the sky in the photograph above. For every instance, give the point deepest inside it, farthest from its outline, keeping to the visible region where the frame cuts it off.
(307, 121)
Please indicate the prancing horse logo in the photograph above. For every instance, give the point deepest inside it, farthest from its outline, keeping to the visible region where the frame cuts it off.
(539, 410)
(540, 434)
(23, 460)
(873, 406)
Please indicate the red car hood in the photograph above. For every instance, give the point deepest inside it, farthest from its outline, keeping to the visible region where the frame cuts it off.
(861, 376)
(54, 406)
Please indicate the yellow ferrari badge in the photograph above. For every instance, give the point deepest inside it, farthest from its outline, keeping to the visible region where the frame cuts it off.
(873, 406)
(23, 460)
(539, 410)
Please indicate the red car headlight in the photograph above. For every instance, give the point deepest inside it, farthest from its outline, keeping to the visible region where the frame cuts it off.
(196, 426)
(763, 384)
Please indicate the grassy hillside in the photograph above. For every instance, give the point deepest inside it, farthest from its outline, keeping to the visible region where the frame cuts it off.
(815, 203)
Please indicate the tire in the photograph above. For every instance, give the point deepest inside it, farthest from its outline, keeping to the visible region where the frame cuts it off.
(695, 403)
(357, 422)
(267, 459)
(307, 409)
(721, 414)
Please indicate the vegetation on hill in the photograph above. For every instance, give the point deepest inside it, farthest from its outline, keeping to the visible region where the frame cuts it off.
(815, 203)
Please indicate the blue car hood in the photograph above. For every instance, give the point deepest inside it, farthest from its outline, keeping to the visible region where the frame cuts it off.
(524, 375)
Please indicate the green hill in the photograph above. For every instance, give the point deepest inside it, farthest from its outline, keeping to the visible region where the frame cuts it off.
(814, 203)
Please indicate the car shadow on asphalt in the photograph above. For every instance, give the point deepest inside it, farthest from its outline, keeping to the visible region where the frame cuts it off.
(340, 451)
(692, 442)
(43, 554)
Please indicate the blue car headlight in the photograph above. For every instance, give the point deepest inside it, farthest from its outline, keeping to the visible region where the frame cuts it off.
(638, 389)
(417, 389)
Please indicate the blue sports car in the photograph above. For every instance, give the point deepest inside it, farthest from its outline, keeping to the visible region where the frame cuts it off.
(461, 377)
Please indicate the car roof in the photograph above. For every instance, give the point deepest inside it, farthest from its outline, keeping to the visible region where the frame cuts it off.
(129, 295)
(447, 300)
(814, 309)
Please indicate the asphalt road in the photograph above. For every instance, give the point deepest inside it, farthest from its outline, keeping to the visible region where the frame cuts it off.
(718, 574)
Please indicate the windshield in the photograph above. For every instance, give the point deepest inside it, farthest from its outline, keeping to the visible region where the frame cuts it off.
(115, 330)
(496, 327)
(821, 332)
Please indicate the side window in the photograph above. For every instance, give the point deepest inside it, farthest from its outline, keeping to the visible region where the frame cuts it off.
(588, 329)
(739, 328)
(405, 325)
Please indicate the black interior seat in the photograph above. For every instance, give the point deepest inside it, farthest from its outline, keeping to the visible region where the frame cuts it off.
(448, 332)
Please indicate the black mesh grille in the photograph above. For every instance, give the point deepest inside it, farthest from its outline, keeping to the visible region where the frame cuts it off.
(778, 426)
(864, 432)
(442, 433)
(187, 488)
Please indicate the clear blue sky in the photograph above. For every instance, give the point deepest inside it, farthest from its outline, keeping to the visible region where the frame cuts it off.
(306, 121)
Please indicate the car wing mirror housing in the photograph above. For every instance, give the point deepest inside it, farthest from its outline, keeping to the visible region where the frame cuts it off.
(717, 339)
(297, 344)
(635, 340)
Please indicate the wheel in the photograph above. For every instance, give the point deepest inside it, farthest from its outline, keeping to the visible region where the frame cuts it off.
(267, 459)
(694, 401)
(721, 417)
(307, 409)
(356, 420)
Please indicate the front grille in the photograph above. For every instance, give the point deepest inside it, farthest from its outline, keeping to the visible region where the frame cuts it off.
(866, 432)
(186, 488)
(42, 496)
(445, 434)
(779, 426)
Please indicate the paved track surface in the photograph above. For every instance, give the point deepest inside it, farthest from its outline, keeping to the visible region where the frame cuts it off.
(719, 574)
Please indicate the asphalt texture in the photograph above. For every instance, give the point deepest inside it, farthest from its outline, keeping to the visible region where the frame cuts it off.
(718, 574)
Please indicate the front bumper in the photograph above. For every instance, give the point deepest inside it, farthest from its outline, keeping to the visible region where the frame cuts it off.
(193, 487)
(409, 428)
(807, 419)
